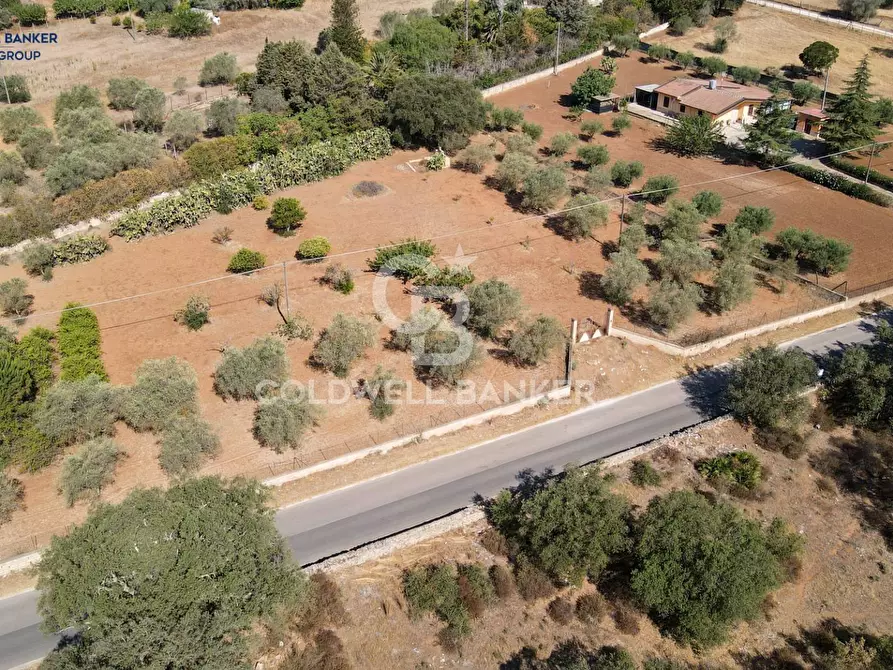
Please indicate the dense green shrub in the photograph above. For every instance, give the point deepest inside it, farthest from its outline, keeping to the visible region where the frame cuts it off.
(16, 120)
(184, 23)
(284, 170)
(88, 471)
(38, 259)
(76, 97)
(492, 304)
(708, 203)
(222, 115)
(79, 249)
(122, 92)
(570, 527)
(16, 88)
(314, 248)
(694, 136)
(79, 343)
(543, 188)
(816, 252)
(520, 144)
(15, 300)
(12, 494)
(623, 173)
(343, 342)
(674, 581)
(590, 84)
(183, 128)
(406, 260)
(246, 261)
(532, 130)
(36, 147)
(149, 108)
(591, 127)
(671, 303)
(766, 386)
(286, 216)
(582, 214)
(642, 473)
(37, 351)
(504, 118)
(74, 411)
(593, 155)
(657, 190)
(447, 357)
(591, 608)
(474, 158)
(850, 168)
(513, 170)
(339, 278)
(12, 167)
(280, 422)
(620, 123)
(218, 69)
(435, 588)
(596, 181)
(680, 260)
(186, 442)
(80, 8)
(837, 183)
(422, 43)
(682, 223)
(435, 112)
(211, 159)
(623, 276)
(532, 343)
(735, 469)
(561, 143)
(381, 390)
(164, 389)
(195, 314)
(241, 371)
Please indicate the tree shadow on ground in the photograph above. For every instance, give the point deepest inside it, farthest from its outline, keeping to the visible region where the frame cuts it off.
(609, 247)
(706, 390)
(882, 51)
(863, 466)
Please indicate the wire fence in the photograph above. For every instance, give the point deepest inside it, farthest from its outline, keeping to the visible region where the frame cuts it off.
(821, 14)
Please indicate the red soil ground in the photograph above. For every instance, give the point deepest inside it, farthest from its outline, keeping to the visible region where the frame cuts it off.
(453, 206)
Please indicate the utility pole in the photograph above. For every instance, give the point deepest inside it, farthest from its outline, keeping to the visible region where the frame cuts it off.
(5, 87)
(825, 92)
(285, 281)
(870, 158)
(466, 20)
(557, 49)
(622, 211)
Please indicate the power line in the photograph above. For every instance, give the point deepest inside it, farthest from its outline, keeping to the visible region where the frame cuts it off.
(435, 238)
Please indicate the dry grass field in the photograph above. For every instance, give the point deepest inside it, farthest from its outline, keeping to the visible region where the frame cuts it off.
(772, 38)
(94, 53)
(884, 17)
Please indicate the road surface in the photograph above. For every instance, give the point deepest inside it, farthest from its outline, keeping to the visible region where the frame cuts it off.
(345, 519)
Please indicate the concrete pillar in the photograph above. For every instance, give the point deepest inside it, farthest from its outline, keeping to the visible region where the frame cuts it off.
(573, 332)
(609, 321)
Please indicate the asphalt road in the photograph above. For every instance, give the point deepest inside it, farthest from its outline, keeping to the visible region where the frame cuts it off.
(348, 518)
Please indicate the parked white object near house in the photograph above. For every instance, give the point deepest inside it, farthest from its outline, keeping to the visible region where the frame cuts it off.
(213, 18)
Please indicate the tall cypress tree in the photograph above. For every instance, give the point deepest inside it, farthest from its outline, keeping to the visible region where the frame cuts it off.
(346, 30)
(770, 136)
(852, 121)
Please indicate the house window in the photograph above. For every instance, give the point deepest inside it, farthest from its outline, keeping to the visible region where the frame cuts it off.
(682, 108)
(700, 113)
(666, 101)
(750, 110)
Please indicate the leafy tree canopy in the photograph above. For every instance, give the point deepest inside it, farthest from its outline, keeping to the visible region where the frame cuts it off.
(819, 55)
(852, 121)
(169, 579)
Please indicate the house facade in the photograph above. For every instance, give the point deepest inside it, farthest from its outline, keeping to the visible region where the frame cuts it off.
(723, 101)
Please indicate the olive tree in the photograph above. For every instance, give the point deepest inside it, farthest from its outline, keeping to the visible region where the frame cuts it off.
(492, 304)
(532, 342)
(623, 276)
(342, 343)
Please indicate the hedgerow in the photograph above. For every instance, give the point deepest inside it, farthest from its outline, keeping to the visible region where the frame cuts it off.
(239, 187)
(79, 249)
(79, 341)
(859, 171)
(838, 183)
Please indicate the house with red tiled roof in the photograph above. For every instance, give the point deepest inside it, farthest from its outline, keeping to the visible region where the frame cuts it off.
(723, 101)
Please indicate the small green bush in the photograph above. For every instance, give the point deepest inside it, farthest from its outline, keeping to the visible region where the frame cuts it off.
(15, 300)
(186, 442)
(184, 23)
(12, 168)
(74, 411)
(88, 471)
(342, 343)
(37, 350)
(295, 327)
(623, 173)
(591, 608)
(591, 128)
(657, 190)
(532, 583)
(492, 304)
(523, 144)
(757, 220)
(339, 278)
(164, 389)
(12, 494)
(736, 469)
(708, 203)
(241, 371)
(671, 303)
(281, 422)
(122, 92)
(314, 248)
(504, 118)
(596, 181)
(512, 171)
(79, 342)
(561, 143)
(38, 259)
(17, 89)
(532, 343)
(435, 588)
(582, 214)
(381, 390)
(643, 474)
(79, 249)
(620, 123)
(260, 203)
(37, 148)
(533, 130)
(406, 260)
(286, 216)
(245, 261)
(16, 120)
(218, 69)
(593, 155)
(713, 66)
(195, 314)
(543, 188)
(474, 158)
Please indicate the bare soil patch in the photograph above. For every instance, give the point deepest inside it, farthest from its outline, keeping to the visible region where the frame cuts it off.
(845, 574)
(773, 38)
